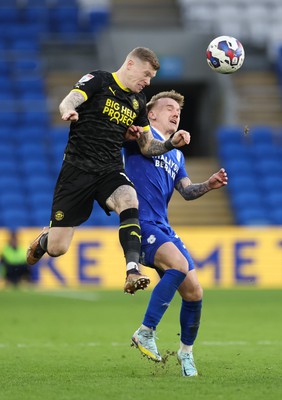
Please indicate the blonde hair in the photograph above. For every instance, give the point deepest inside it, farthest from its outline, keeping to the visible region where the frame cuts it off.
(145, 54)
(171, 94)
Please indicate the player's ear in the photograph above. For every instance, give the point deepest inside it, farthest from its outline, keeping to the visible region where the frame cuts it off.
(130, 62)
(151, 115)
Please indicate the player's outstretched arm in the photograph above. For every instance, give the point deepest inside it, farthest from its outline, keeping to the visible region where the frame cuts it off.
(192, 191)
(149, 146)
(69, 104)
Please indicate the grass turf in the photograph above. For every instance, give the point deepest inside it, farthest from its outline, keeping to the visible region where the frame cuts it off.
(76, 345)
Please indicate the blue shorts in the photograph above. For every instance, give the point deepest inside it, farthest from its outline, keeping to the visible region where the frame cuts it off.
(154, 234)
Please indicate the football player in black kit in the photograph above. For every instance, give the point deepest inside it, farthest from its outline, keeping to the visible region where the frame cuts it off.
(104, 108)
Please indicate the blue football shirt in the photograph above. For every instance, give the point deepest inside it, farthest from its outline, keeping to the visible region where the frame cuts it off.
(154, 178)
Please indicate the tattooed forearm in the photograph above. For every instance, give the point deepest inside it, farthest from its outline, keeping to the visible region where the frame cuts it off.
(153, 147)
(192, 191)
(71, 102)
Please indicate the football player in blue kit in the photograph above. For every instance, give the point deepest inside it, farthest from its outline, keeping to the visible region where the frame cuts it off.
(155, 179)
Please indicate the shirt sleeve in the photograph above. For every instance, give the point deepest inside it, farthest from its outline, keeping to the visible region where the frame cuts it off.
(88, 84)
(182, 173)
(142, 119)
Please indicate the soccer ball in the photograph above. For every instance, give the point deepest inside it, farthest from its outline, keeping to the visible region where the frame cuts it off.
(225, 54)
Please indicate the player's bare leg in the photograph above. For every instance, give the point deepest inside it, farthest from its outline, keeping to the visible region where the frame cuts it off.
(55, 241)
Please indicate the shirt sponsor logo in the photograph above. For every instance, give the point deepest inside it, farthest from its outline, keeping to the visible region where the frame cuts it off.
(167, 164)
(119, 113)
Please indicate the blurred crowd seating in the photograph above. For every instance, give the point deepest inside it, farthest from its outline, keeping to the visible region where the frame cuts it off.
(253, 161)
(255, 22)
(31, 149)
(30, 160)
(30, 20)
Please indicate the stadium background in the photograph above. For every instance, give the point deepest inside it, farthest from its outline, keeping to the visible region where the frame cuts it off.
(46, 46)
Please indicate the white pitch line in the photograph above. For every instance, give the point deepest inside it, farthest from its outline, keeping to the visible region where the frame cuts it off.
(123, 344)
(227, 343)
(85, 296)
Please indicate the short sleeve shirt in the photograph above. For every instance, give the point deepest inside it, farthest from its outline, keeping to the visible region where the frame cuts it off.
(95, 140)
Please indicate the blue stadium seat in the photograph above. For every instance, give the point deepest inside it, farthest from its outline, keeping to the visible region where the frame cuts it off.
(7, 151)
(9, 15)
(252, 215)
(271, 166)
(41, 198)
(36, 182)
(7, 97)
(60, 14)
(33, 98)
(9, 119)
(98, 217)
(24, 66)
(38, 117)
(9, 166)
(30, 165)
(99, 19)
(240, 183)
(31, 134)
(11, 182)
(11, 199)
(4, 68)
(33, 150)
(271, 183)
(65, 19)
(32, 31)
(3, 46)
(41, 215)
(14, 218)
(238, 165)
(25, 46)
(276, 216)
(246, 198)
(6, 134)
(30, 83)
(230, 134)
(59, 135)
(263, 150)
(261, 134)
(228, 151)
(36, 12)
(274, 199)
(8, 3)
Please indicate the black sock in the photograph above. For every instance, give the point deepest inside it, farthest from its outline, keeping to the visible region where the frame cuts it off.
(43, 241)
(130, 235)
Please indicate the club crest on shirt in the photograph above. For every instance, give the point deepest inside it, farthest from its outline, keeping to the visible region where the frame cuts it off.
(151, 239)
(135, 104)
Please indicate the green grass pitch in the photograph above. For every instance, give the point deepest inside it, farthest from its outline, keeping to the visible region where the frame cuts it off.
(68, 345)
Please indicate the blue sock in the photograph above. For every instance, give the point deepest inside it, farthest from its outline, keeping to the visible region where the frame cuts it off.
(190, 315)
(161, 297)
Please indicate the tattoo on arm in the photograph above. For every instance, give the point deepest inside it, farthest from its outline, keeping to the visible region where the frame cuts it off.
(191, 191)
(151, 147)
(71, 102)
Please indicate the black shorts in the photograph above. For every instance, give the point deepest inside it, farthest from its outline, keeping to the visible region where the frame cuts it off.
(75, 193)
